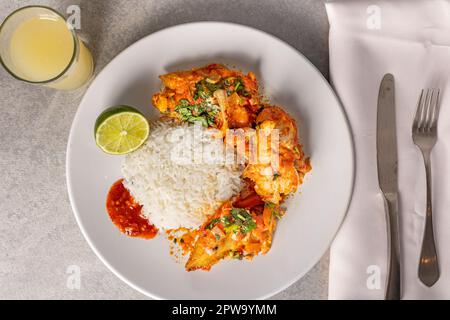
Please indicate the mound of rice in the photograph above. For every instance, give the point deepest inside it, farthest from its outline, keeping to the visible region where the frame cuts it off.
(174, 186)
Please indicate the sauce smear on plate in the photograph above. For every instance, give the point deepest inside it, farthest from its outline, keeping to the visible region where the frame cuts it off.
(125, 213)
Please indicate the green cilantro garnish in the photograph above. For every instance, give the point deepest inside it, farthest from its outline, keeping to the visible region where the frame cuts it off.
(232, 228)
(212, 224)
(275, 212)
(226, 221)
(243, 220)
(204, 112)
(269, 205)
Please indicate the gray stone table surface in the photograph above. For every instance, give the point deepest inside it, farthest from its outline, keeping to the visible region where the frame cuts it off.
(39, 237)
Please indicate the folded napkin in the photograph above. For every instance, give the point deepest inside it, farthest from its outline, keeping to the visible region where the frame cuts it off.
(411, 40)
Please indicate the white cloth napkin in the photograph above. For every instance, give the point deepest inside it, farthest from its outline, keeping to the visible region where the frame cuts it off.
(411, 40)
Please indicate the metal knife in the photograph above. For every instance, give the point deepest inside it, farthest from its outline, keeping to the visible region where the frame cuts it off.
(387, 178)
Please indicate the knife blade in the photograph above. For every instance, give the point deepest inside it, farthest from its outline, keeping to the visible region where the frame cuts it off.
(387, 179)
(386, 136)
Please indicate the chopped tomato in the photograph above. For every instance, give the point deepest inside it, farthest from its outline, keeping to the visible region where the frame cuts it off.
(249, 201)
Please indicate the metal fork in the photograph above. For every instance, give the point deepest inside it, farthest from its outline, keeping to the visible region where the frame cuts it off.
(424, 134)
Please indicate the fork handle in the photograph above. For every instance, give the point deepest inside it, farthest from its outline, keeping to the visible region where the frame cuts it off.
(393, 287)
(428, 263)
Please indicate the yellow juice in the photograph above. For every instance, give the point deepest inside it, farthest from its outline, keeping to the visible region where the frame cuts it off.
(42, 48)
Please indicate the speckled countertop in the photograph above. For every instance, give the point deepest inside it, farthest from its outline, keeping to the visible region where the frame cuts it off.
(39, 237)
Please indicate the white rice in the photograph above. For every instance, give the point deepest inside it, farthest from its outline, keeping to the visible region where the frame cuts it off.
(177, 191)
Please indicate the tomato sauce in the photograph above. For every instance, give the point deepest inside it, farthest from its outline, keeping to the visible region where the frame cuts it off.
(125, 213)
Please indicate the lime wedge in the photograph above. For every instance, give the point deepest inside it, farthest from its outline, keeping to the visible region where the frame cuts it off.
(121, 130)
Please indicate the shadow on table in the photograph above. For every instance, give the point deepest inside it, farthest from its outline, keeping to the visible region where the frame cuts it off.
(302, 24)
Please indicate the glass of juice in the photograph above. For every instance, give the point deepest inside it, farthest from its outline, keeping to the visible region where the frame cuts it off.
(38, 46)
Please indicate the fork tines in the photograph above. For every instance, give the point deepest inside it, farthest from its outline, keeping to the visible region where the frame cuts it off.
(427, 111)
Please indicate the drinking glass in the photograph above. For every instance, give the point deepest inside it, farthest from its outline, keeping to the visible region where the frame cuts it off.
(38, 46)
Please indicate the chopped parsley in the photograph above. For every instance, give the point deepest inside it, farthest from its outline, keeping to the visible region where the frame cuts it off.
(239, 220)
(275, 210)
(232, 228)
(243, 220)
(226, 221)
(201, 91)
(212, 224)
(240, 88)
(206, 87)
(269, 205)
(204, 112)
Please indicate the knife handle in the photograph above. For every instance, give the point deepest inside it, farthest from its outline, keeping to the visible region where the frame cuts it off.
(393, 288)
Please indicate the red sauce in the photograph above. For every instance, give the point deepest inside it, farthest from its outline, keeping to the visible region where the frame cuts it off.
(125, 213)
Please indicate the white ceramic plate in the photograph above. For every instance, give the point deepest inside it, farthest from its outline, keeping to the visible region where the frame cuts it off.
(314, 214)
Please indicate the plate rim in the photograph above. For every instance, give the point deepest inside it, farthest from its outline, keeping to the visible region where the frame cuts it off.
(348, 133)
